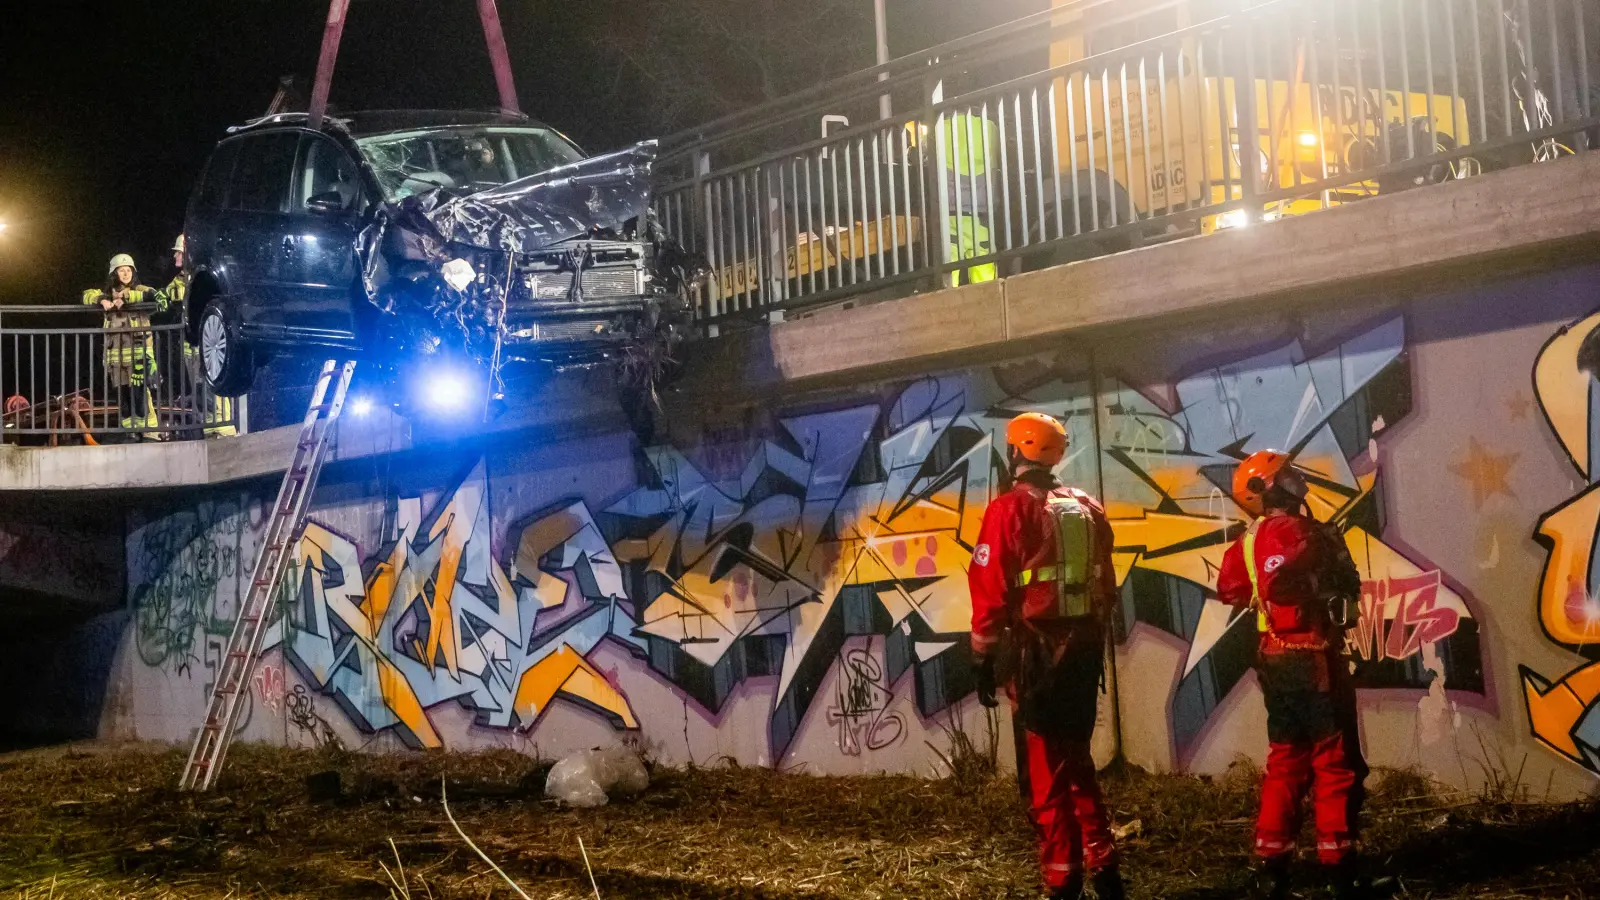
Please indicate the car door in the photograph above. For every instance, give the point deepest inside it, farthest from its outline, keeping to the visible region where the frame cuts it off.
(204, 218)
(254, 230)
(320, 275)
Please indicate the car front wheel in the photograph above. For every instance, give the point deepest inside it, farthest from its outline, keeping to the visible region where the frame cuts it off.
(225, 360)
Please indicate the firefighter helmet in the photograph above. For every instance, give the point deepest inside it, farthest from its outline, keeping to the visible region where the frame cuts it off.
(120, 260)
(178, 245)
(1038, 438)
(1255, 476)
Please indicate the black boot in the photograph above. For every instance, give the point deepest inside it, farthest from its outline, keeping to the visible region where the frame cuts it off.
(1072, 890)
(1348, 881)
(1107, 883)
(1271, 879)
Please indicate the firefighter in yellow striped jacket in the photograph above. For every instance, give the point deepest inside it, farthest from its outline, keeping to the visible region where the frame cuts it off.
(971, 144)
(129, 351)
(965, 145)
(215, 412)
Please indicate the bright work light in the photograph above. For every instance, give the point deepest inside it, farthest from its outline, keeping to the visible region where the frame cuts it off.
(447, 390)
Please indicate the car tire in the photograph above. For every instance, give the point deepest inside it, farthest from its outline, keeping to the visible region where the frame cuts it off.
(227, 362)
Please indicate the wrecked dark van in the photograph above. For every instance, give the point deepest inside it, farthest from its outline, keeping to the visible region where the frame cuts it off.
(410, 236)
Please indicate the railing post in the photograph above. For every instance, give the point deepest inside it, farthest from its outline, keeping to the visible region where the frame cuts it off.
(772, 222)
(700, 211)
(934, 177)
(1249, 126)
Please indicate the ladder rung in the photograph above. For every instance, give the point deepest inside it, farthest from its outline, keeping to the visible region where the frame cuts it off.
(288, 516)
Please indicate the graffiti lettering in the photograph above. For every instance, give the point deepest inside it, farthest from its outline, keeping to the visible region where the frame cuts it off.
(1400, 615)
(1564, 714)
(769, 553)
(269, 683)
(56, 558)
(861, 705)
(1167, 475)
(188, 565)
(438, 619)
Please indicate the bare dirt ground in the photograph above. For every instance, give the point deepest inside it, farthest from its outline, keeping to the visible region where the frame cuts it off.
(106, 822)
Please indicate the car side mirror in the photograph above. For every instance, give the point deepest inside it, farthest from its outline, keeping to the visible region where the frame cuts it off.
(325, 203)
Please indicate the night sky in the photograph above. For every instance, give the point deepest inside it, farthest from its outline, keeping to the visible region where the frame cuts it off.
(108, 110)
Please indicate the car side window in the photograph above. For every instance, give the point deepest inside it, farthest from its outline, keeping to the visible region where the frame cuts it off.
(219, 172)
(326, 173)
(262, 175)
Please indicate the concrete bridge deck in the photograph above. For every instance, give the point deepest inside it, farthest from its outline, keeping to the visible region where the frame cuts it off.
(1453, 233)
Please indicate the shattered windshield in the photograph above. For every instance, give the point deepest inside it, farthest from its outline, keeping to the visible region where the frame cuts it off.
(462, 160)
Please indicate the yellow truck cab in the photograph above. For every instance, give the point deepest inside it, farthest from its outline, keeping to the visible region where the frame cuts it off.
(1167, 125)
(1128, 119)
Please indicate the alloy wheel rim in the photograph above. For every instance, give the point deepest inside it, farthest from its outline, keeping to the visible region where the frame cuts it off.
(213, 345)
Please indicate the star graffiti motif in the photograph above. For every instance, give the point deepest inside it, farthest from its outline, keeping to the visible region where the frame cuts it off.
(1486, 472)
(1518, 405)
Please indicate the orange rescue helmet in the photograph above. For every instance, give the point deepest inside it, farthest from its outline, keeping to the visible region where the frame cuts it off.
(1258, 473)
(1038, 438)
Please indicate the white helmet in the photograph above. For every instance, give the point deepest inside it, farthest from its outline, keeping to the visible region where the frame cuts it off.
(120, 260)
(177, 246)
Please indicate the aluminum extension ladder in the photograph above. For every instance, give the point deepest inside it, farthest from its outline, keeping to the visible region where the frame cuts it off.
(283, 532)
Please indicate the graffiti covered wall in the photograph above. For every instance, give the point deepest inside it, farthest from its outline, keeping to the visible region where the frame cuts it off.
(787, 586)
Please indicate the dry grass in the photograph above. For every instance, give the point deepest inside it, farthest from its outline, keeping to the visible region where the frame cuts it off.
(105, 822)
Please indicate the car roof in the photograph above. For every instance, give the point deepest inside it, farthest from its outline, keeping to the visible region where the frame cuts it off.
(371, 122)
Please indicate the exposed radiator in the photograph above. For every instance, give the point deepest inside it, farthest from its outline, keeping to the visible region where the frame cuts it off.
(598, 284)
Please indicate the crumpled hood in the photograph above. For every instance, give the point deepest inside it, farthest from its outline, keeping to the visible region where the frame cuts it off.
(601, 192)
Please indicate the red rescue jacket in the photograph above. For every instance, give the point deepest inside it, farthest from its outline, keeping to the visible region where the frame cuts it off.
(1300, 563)
(1017, 536)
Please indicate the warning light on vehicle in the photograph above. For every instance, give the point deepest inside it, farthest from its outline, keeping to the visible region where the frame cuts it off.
(448, 390)
(361, 406)
(1308, 139)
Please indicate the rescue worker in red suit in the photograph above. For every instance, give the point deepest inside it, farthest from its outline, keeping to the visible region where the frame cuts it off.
(1296, 574)
(1052, 662)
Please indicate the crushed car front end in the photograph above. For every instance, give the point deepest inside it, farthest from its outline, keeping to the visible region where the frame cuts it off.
(565, 267)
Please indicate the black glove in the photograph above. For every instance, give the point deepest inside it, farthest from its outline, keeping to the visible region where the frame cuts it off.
(986, 686)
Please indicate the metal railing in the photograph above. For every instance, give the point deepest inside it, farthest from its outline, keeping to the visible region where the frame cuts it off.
(87, 383)
(1106, 124)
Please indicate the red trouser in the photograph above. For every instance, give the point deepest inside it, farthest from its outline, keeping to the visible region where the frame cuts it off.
(1067, 811)
(1314, 746)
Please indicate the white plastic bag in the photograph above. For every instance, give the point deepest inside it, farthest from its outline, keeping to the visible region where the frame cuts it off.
(622, 772)
(586, 778)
